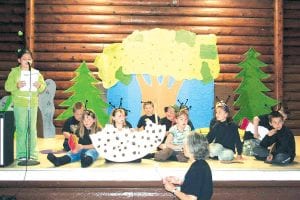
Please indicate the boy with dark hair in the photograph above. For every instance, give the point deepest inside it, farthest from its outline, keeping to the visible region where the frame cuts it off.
(169, 119)
(278, 146)
(71, 124)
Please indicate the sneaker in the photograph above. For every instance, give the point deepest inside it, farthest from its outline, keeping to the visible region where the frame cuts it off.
(21, 159)
(86, 161)
(214, 158)
(149, 156)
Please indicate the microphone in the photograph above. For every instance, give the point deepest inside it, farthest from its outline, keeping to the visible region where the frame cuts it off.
(29, 64)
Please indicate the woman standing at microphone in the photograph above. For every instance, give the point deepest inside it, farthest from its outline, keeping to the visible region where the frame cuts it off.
(25, 101)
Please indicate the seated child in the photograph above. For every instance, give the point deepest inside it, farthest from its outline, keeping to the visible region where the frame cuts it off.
(190, 123)
(256, 131)
(282, 139)
(223, 136)
(175, 140)
(84, 150)
(187, 109)
(71, 124)
(169, 119)
(148, 107)
(118, 120)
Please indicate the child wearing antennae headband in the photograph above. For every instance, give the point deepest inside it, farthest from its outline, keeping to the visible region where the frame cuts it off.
(183, 106)
(173, 149)
(223, 136)
(117, 115)
(84, 150)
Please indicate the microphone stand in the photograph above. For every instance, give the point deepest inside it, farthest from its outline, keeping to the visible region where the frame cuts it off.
(28, 161)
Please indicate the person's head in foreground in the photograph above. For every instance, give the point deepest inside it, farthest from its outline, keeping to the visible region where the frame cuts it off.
(197, 182)
(196, 147)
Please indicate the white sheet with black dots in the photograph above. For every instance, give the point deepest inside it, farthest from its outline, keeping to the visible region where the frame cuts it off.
(128, 145)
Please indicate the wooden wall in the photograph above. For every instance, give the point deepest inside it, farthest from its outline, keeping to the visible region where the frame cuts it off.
(11, 21)
(67, 32)
(291, 59)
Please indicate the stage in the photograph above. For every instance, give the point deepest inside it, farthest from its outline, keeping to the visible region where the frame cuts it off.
(148, 169)
(146, 176)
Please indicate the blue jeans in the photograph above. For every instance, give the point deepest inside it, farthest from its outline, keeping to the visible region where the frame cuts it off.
(262, 153)
(87, 152)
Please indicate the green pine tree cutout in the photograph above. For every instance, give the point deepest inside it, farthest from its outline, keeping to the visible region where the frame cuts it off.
(84, 90)
(252, 99)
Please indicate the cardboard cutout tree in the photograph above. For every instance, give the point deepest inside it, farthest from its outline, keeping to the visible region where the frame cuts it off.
(84, 90)
(159, 52)
(6, 103)
(252, 100)
(162, 66)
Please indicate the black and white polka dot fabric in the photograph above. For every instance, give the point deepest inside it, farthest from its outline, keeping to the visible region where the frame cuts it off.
(127, 145)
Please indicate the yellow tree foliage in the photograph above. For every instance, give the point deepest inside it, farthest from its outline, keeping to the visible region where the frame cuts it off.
(160, 52)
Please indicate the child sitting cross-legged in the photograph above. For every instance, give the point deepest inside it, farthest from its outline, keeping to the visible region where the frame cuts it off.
(258, 129)
(173, 148)
(223, 136)
(278, 146)
(148, 107)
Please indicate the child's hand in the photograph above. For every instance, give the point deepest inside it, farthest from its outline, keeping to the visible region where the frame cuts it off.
(239, 157)
(272, 132)
(270, 158)
(133, 130)
(256, 135)
(37, 84)
(162, 146)
(77, 148)
(169, 186)
(256, 121)
(21, 84)
(173, 179)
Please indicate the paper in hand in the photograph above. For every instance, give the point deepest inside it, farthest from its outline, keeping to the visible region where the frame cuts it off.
(25, 76)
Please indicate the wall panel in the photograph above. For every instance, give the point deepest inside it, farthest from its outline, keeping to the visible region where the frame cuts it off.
(70, 31)
(291, 61)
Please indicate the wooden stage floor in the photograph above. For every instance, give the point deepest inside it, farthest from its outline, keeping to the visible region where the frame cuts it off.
(147, 170)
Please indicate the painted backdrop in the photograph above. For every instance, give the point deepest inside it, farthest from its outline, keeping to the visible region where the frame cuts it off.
(163, 66)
